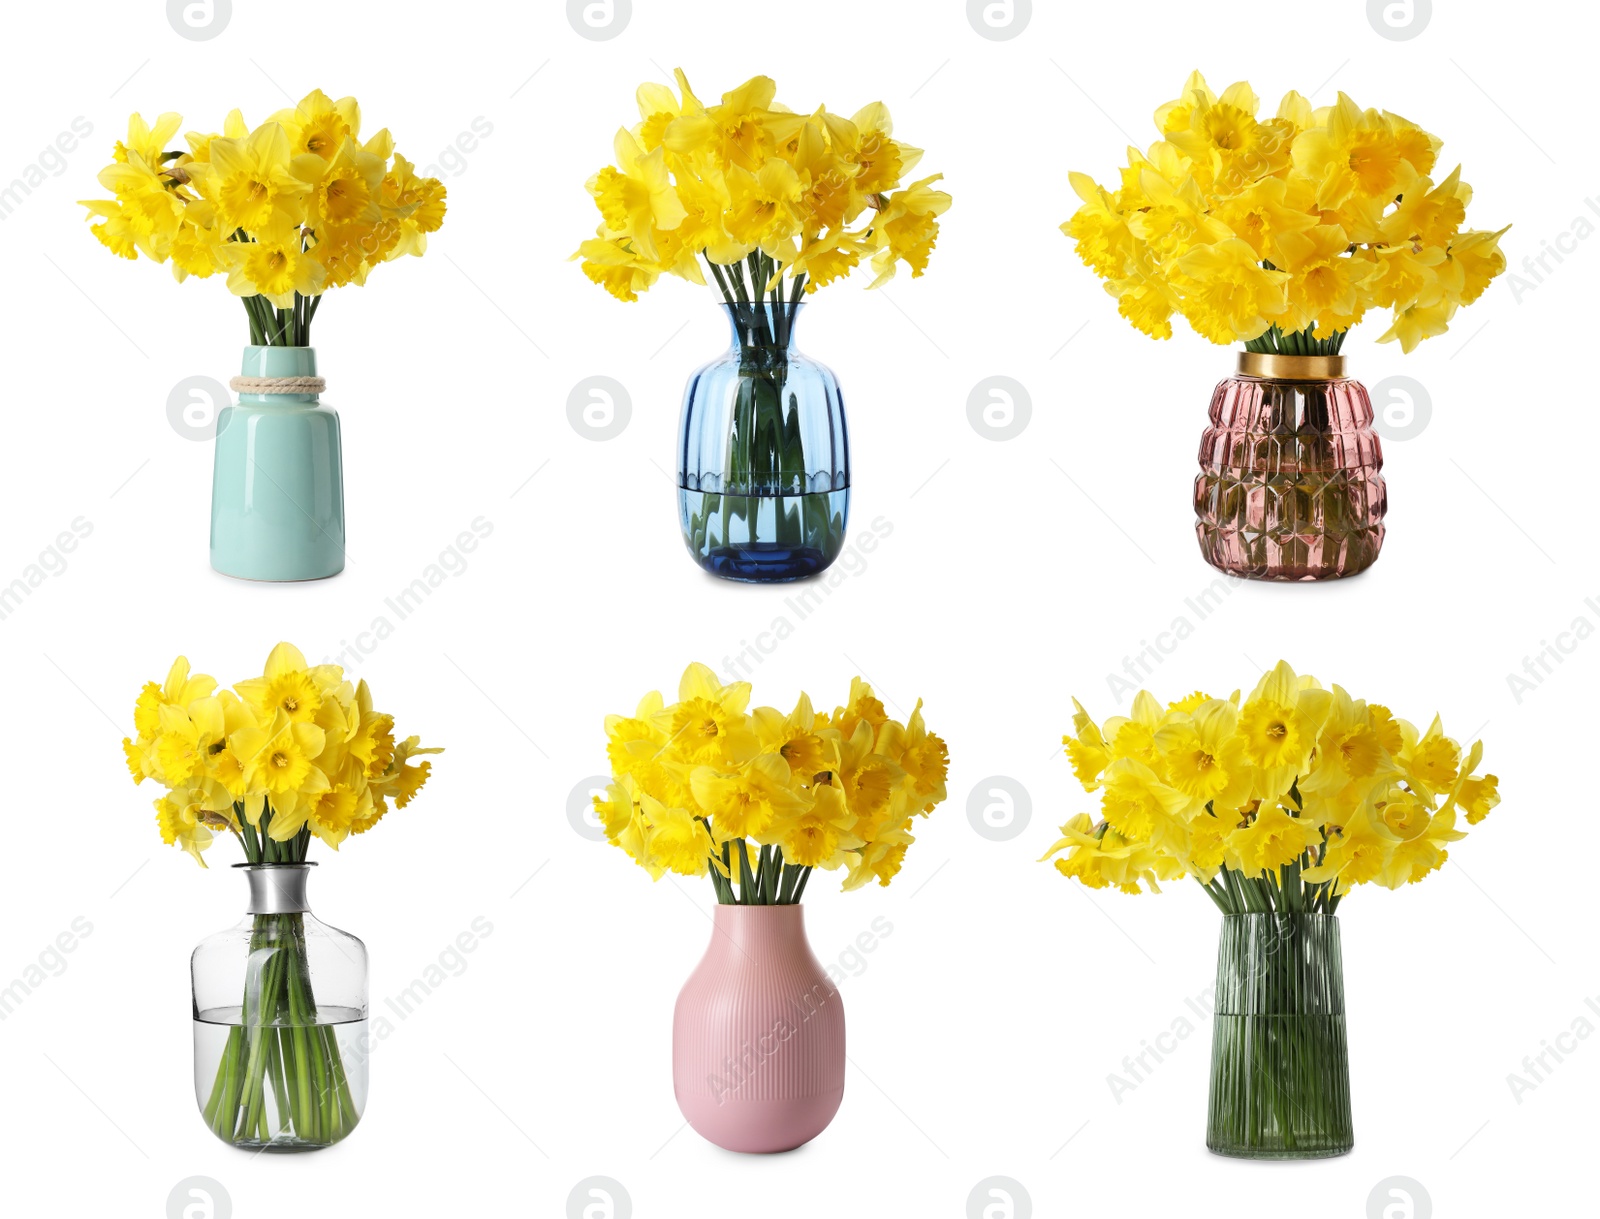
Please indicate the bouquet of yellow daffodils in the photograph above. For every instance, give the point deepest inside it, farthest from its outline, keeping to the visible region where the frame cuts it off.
(296, 752)
(284, 212)
(756, 799)
(1284, 232)
(748, 185)
(1279, 804)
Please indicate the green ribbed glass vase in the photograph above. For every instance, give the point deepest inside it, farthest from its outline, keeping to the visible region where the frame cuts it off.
(1280, 1069)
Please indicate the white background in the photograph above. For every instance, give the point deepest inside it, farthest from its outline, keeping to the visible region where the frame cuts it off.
(983, 1029)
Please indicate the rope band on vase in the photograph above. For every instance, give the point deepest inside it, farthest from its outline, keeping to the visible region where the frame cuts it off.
(277, 385)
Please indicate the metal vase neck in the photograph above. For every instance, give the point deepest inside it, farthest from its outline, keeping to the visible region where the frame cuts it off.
(277, 888)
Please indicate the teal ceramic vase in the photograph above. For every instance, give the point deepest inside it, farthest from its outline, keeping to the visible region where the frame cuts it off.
(277, 487)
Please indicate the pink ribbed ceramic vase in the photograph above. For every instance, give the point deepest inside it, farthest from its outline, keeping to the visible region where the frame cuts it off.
(1289, 485)
(758, 1035)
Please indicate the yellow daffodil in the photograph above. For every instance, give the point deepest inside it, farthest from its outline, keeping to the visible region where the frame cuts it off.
(1324, 286)
(1274, 837)
(180, 825)
(343, 188)
(295, 753)
(1356, 854)
(318, 125)
(1279, 723)
(146, 142)
(821, 835)
(810, 194)
(1086, 748)
(1205, 756)
(285, 211)
(675, 838)
(756, 798)
(1227, 294)
(1353, 759)
(1337, 207)
(1281, 802)
(249, 181)
(748, 803)
(289, 685)
(907, 228)
(1357, 153)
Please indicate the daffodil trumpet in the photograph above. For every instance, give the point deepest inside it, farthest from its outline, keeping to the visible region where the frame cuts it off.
(297, 753)
(1276, 805)
(756, 799)
(284, 212)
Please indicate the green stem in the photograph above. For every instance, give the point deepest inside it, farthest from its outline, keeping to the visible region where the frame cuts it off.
(791, 873)
(219, 1086)
(747, 882)
(763, 870)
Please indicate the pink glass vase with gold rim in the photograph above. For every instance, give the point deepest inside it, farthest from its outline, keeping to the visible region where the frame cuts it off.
(1290, 485)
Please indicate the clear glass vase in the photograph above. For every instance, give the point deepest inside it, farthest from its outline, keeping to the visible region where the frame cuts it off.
(1280, 1069)
(1290, 485)
(763, 455)
(280, 1021)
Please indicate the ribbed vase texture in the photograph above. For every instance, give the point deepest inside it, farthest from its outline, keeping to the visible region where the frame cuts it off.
(1290, 485)
(1280, 1073)
(763, 456)
(758, 1035)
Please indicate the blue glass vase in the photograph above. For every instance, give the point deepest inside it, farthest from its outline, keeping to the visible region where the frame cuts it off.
(763, 454)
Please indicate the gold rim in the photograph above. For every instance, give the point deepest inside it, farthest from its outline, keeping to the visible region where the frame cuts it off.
(1290, 368)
